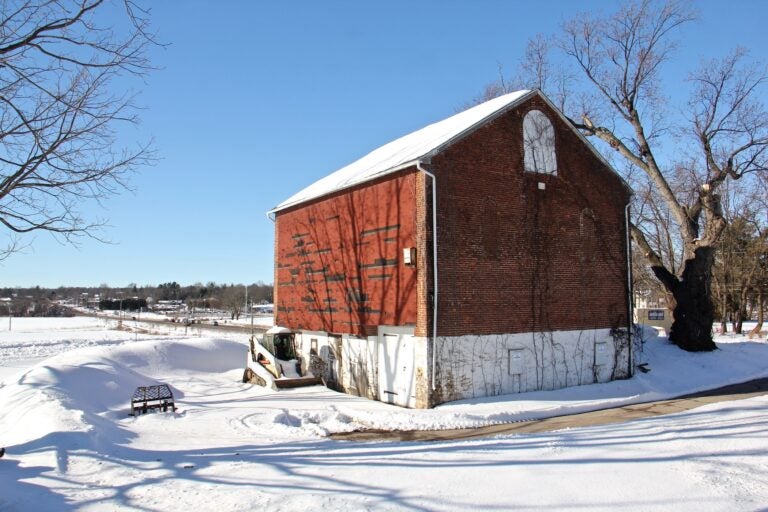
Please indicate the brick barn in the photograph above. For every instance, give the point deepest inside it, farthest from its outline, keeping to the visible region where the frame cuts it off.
(484, 254)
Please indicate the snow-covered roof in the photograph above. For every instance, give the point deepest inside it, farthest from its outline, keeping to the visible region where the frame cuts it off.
(407, 150)
(422, 144)
(276, 329)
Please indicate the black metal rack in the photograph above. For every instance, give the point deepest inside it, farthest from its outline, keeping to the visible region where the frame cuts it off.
(147, 398)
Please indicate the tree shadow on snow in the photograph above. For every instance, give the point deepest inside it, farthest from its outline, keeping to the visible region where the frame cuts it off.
(328, 468)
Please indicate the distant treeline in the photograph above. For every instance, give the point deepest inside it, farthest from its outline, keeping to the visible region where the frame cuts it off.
(230, 297)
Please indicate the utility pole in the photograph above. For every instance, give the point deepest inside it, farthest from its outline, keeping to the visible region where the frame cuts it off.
(120, 315)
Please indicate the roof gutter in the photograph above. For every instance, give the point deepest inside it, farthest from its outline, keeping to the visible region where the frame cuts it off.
(630, 305)
(434, 268)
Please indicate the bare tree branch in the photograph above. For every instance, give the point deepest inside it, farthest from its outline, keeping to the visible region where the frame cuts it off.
(60, 110)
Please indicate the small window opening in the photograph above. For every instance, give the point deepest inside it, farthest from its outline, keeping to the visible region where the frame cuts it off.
(539, 143)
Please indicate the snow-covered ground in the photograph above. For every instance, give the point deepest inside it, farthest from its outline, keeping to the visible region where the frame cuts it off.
(64, 403)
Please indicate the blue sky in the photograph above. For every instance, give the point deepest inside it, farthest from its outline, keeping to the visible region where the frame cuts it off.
(256, 100)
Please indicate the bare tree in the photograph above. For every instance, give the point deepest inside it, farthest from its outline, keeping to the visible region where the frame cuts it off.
(684, 161)
(736, 271)
(233, 298)
(58, 145)
(759, 251)
(536, 70)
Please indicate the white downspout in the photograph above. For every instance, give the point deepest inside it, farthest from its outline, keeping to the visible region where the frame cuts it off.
(630, 312)
(434, 268)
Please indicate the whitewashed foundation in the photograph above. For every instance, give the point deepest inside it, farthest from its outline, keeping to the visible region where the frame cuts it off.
(468, 366)
(488, 365)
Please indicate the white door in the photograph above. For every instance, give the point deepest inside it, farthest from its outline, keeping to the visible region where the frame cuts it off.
(397, 383)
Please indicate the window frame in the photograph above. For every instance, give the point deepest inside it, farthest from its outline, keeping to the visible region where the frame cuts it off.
(541, 146)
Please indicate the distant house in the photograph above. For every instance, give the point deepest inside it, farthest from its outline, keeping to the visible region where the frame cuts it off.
(481, 255)
(166, 306)
(263, 309)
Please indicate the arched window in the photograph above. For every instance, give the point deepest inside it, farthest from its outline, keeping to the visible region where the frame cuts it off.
(539, 143)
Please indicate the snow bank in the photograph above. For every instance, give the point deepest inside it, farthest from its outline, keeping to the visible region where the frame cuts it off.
(76, 390)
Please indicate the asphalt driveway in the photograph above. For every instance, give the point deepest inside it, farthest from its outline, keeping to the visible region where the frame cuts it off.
(741, 391)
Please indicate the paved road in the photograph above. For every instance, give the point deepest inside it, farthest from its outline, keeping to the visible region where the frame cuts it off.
(259, 329)
(603, 417)
(130, 322)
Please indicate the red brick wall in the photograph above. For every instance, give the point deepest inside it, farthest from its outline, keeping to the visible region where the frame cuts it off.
(339, 260)
(513, 258)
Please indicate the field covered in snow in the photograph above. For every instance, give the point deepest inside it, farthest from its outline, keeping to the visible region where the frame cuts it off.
(65, 386)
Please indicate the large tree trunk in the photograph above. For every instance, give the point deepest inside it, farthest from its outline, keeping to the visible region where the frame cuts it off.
(694, 311)
(693, 307)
